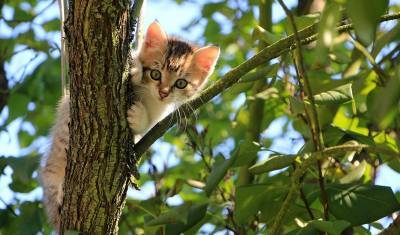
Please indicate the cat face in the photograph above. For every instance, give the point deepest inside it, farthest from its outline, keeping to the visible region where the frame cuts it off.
(173, 70)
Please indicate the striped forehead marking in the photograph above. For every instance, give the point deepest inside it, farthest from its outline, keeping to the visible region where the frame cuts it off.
(176, 55)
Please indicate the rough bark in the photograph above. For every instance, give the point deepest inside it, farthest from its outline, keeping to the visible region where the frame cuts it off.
(99, 34)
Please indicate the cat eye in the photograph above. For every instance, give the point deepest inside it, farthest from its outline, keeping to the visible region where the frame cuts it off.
(181, 83)
(155, 74)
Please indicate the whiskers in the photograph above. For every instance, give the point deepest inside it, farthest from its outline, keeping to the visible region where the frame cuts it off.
(182, 112)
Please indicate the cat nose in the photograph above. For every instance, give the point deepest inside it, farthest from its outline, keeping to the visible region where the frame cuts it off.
(163, 93)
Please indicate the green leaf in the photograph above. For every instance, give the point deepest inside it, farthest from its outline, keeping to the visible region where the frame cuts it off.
(248, 201)
(17, 105)
(3, 164)
(28, 38)
(52, 25)
(365, 17)
(150, 206)
(21, 15)
(361, 204)
(335, 227)
(28, 221)
(195, 215)
(212, 31)
(272, 163)
(219, 169)
(383, 102)
(7, 47)
(211, 8)
(172, 216)
(246, 153)
(264, 198)
(338, 95)
(25, 139)
(23, 168)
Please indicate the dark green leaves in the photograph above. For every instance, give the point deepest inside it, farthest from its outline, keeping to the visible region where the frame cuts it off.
(248, 201)
(335, 227)
(360, 204)
(331, 227)
(52, 25)
(219, 169)
(365, 17)
(246, 153)
(383, 102)
(195, 215)
(172, 216)
(23, 168)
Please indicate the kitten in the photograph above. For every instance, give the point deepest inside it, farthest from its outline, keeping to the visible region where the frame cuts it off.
(164, 72)
(173, 72)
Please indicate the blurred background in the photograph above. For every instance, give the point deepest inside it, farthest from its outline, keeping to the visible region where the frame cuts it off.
(30, 61)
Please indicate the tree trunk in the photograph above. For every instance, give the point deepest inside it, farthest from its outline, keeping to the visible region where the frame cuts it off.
(99, 33)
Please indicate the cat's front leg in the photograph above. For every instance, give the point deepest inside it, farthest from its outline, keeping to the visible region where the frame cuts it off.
(138, 118)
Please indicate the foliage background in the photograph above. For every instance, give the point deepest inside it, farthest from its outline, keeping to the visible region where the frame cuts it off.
(198, 152)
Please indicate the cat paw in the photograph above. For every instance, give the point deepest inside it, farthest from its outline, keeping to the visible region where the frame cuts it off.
(137, 118)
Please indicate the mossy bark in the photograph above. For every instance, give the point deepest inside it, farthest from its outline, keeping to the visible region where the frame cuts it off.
(99, 33)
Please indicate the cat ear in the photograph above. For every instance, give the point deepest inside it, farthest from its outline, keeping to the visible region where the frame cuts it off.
(205, 58)
(155, 36)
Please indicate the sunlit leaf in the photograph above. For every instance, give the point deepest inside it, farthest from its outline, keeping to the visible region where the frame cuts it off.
(272, 163)
(337, 96)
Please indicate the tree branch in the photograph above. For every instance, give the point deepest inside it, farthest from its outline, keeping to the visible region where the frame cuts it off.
(277, 49)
